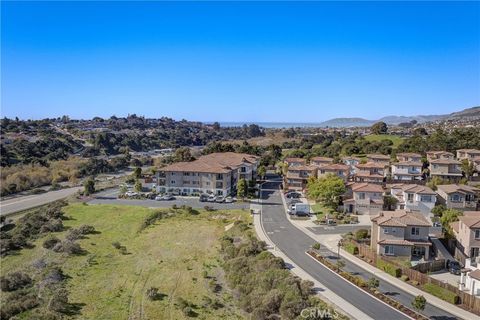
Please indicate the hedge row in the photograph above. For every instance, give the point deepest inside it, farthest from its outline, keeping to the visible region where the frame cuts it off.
(441, 293)
(389, 268)
(351, 248)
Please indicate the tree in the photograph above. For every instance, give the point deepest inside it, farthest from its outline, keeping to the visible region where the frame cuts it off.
(183, 154)
(340, 265)
(138, 186)
(419, 303)
(326, 189)
(389, 202)
(137, 173)
(439, 209)
(123, 189)
(468, 168)
(88, 187)
(261, 171)
(242, 188)
(379, 128)
(373, 283)
(449, 216)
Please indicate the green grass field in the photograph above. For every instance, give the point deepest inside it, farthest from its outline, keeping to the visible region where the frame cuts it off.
(378, 137)
(173, 255)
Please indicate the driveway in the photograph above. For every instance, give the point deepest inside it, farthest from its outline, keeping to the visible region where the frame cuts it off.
(110, 197)
(294, 242)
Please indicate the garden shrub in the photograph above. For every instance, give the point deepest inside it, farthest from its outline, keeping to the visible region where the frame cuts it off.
(389, 268)
(441, 293)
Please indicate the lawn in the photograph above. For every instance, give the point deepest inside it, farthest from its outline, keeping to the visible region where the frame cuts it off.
(174, 255)
(378, 137)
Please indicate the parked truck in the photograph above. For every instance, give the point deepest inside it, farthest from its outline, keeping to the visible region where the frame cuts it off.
(301, 209)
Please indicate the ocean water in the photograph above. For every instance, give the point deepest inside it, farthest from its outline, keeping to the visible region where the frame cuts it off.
(276, 125)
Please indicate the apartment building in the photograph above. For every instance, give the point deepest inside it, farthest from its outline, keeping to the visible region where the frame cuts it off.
(401, 233)
(460, 197)
(320, 161)
(467, 235)
(216, 173)
(373, 172)
(407, 170)
(366, 198)
(297, 176)
(415, 198)
(435, 155)
(340, 170)
(446, 168)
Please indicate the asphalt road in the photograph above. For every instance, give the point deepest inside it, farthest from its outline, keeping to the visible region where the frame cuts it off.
(293, 242)
(341, 229)
(21, 203)
(110, 197)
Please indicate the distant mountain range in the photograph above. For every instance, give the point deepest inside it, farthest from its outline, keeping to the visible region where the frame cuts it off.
(395, 120)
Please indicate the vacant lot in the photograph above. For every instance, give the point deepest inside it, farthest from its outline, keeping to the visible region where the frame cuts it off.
(178, 255)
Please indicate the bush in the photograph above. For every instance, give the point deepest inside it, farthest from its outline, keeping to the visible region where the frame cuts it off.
(316, 246)
(68, 246)
(50, 242)
(152, 293)
(14, 281)
(351, 248)
(404, 278)
(116, 245)
(389, 268)
(16, 303)
(441, 293)
(86, 229)
(361, 234)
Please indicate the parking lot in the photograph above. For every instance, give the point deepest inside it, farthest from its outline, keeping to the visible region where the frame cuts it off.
(110, 196)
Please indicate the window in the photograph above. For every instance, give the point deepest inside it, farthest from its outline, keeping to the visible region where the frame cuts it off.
(322, 171)
(415, 231)
(410, 196)
(172, 182)
(389, 250)
(469, 197)
(207, 183)
(426, 198)
(477, 234)
(361, 196)
(386, 230)
(455, 198)
(186, 173)
(243, 169)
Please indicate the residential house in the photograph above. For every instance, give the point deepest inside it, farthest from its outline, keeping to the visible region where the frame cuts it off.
(470, 277)
(461, 197)
(378, 158)
(215, 173)
(297, 176)
(295, 161)
(351, 162)
(446, 168)
(467, 236)
(468, 154)
(370, 172)
(401, 233)
(415, 198)
(407, 170)
(367, 198)
(340, 170)
(435, 155)
(408, 156)
(320, 161)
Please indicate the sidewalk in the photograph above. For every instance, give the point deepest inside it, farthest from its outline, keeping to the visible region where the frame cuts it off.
(326, 295)
(331, 244)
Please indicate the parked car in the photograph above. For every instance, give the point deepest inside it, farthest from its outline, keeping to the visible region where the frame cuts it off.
(131, 194)
(203, 198)
(293, 201)
(293, 194)
(229, 199)
(454, 267)
(331, 222)
(220, 199)
(211, 198)
(159, 198)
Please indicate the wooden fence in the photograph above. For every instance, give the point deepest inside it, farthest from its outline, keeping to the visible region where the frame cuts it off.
(466, 301)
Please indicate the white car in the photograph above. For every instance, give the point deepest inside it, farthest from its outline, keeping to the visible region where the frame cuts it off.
(131, 194)
(211, 198)
(228, 200)
(158, 198)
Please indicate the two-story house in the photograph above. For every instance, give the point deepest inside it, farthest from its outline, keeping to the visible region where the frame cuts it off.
(401, 233)
(351, 162)
(467, 235)
(470, 277)
(460, 197)
(435, 155)
(378, 158)
(407, 170)
(413, 197)
(409, 156)
(320, 161)
(366, 198)
(446, 168)
(340, 170)
(373, 172)
(215, 173)
(297, 176)
(468, 154)
(295, 161)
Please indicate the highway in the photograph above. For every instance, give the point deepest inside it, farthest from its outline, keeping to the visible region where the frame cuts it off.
(293, 243)
(13, 205)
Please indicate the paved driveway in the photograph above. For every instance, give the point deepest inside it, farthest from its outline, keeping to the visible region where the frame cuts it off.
(110, 197)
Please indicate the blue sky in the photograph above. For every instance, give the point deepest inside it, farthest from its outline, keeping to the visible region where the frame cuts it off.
(230, 61)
